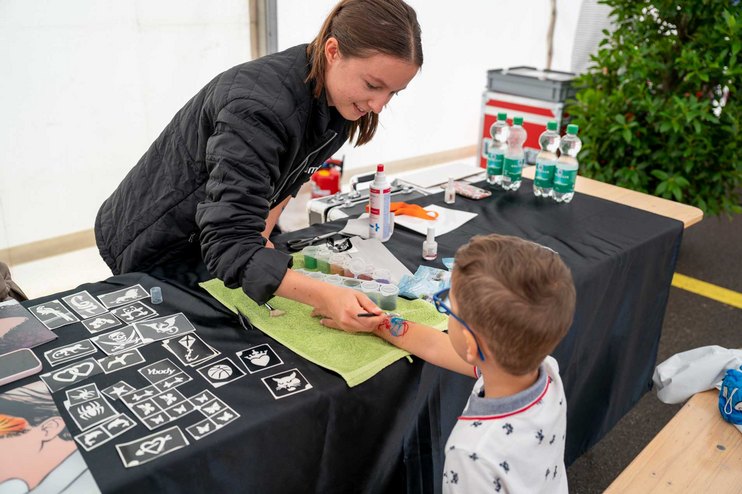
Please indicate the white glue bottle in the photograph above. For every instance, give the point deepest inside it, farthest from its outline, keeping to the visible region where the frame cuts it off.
(379, 205)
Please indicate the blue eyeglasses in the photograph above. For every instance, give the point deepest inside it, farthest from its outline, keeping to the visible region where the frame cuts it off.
(438, 300)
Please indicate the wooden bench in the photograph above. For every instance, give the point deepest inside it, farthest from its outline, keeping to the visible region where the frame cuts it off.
(697, 451)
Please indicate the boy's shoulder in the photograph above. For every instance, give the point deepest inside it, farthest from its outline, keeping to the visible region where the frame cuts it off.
(551, 366)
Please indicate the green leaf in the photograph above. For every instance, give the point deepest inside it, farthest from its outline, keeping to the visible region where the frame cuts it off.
(626, 135)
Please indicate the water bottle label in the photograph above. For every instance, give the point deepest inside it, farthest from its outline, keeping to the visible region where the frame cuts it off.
(564, 181)
(494, 164)
(513, 169)
(544, 174)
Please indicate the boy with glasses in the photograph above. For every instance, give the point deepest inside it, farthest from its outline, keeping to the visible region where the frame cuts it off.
(511, 301)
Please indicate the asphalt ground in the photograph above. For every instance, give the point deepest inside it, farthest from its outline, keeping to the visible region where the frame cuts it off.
(711, 251)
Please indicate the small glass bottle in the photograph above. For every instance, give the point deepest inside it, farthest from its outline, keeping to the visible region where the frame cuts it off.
(449, 196)
(156, 294)
(430, 246)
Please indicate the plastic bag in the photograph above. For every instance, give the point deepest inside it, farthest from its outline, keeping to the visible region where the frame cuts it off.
(425, 283)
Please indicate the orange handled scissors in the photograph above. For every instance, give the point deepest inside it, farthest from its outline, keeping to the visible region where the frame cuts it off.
(403, 208)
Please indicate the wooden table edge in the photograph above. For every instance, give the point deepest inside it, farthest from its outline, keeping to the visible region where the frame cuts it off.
(689, 215)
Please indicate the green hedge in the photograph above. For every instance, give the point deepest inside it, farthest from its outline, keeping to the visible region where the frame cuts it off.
(659, 108)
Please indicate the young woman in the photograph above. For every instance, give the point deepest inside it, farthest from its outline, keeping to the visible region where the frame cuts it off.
(213, 184)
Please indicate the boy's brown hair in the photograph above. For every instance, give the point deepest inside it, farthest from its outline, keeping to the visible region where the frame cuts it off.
(517, 296)
(364, 28)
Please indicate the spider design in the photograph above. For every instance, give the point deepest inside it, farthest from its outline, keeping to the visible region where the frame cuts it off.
(89, 410)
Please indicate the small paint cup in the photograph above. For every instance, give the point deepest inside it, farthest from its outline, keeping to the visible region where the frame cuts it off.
(310, 259)
(367, 274)
(346, 267)
(382, 275)
(371, 290)
(316, 275)
(356, 266)
(352, 283)
(323, 261)
(388, 296)
(334, 279)
(337, 263)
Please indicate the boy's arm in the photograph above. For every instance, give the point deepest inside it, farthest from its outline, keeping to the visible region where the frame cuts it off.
(430, 345)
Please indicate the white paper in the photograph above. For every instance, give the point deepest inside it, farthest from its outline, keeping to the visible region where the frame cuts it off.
(435, 175)
(448, 220)
(374, 252)
(357, 226)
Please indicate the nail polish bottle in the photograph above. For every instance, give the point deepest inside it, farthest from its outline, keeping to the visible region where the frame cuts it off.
(449, 196)
(430, 246)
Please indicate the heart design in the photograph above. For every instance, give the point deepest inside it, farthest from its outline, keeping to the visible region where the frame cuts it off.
(78, 371)
(153, 446)
(261, 361)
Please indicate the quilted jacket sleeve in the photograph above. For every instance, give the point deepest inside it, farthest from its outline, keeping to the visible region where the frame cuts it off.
(242, 159)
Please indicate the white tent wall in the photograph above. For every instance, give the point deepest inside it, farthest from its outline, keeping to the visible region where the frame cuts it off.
(440, 110)
(88, 84)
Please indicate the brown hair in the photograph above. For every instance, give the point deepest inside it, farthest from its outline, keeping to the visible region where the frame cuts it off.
(516, 295)
(364, 28)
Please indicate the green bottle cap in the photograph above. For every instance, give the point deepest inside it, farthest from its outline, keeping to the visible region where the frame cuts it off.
(551, 125)
(517, 120)
(502, 116)
(572, 129)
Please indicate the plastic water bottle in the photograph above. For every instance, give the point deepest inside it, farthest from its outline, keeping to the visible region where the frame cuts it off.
(496, 152)
(546, 159)
(566, 166)
(379, 206)
(514, 158)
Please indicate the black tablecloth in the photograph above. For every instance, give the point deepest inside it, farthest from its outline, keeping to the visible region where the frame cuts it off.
(388, 433)
(622, 260)
(329, 439)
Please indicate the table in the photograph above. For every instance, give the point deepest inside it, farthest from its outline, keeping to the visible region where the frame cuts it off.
(622, 261)
(324, 440)
(697, 451)
(387, 434)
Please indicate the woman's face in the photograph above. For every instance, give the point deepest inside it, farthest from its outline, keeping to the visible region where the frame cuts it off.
(356, 86)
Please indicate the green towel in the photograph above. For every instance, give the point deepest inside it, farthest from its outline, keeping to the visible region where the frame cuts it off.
(356, 357)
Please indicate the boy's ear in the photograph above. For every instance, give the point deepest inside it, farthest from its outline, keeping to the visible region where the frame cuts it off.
(472, 356)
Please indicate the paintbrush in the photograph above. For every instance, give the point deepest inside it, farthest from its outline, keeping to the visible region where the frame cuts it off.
(274, 312)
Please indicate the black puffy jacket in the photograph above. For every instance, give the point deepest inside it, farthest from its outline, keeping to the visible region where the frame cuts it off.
(245, 142)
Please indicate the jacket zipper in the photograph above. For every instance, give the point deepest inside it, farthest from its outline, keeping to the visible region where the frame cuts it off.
(293, 174)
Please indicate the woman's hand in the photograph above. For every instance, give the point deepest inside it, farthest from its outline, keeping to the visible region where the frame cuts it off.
(339, 308)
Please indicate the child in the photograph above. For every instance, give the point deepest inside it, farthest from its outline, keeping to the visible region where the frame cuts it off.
(511, 301)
